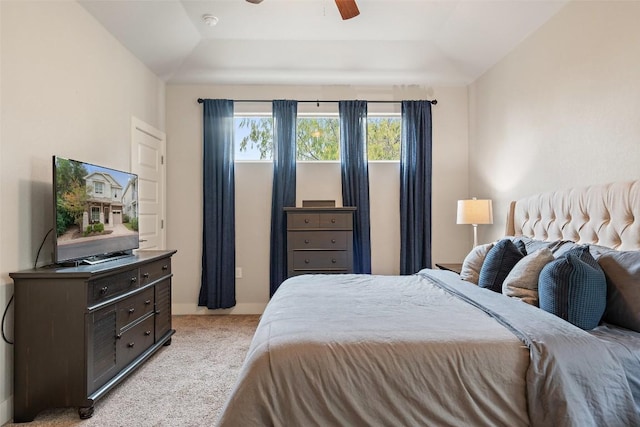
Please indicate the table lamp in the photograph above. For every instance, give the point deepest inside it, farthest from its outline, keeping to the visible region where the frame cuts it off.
(474, 212)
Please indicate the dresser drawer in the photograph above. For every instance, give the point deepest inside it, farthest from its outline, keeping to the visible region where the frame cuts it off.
(135, 307)
(318, 240)
(103, 289)
(303, 220)
(335, 220)
(133, 342)
(154, 271)
(321, 260)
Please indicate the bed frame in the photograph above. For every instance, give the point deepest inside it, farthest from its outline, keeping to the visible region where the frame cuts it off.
(606, 215)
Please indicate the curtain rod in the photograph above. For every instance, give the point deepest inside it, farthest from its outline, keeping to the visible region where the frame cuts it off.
(317, 101)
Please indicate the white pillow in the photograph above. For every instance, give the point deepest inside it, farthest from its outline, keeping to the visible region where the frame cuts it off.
(472, 263)
(522, 280)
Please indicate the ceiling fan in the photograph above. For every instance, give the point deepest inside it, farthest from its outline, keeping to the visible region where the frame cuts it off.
(348, 8)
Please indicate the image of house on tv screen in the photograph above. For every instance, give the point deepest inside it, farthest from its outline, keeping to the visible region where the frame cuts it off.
(96, 209)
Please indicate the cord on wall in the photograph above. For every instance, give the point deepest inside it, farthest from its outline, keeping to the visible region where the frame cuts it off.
(6, 310)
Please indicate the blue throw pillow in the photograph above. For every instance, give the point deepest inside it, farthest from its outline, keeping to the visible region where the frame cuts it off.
(500, 259)
(574, 288)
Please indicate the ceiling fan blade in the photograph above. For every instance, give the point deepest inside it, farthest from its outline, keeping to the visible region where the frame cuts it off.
(348, 8)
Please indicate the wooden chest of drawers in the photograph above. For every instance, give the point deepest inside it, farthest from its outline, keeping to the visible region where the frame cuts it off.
(79, 331)
(319, 240)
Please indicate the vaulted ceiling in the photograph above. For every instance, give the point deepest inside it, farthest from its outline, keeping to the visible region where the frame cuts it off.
(397, 42)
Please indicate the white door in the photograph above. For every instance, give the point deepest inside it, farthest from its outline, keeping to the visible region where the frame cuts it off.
(148, 146)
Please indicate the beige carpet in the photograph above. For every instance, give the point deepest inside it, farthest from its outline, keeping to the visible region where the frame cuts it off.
(184, 384)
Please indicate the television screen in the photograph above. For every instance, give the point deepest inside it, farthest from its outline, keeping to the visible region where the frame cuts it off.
(96, 211)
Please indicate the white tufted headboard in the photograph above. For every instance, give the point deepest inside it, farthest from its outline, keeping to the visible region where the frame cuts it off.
(606, 215)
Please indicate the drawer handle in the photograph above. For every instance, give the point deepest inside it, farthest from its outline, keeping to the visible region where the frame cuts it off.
(131, 310)
(333, 240)
(306, 220)
(103, 290)
(134, 279)
(147, 333)
(333, 220)
(165, 267)
(306, 241)
(306, 261)
(131, 344)
(333, 260)
(145, 275)
(147, 302)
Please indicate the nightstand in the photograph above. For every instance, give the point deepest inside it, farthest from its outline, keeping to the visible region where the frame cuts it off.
(456, 268)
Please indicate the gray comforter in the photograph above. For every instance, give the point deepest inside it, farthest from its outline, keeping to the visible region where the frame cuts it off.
(427, 349)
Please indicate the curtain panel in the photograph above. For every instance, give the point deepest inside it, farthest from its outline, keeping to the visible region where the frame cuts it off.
(217, 288)
(415, 187)
(355, 178)
(284, 186)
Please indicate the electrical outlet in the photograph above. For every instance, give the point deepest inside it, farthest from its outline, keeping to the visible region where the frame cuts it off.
(238, 272)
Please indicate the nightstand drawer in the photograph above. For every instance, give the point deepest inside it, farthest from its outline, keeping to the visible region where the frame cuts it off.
(321, 260)
(318, 240)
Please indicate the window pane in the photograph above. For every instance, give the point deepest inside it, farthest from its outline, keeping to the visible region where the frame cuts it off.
(253, 138)
(383, 135)
(318, 138)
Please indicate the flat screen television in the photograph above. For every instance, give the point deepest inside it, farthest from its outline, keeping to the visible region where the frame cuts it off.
(96, 212)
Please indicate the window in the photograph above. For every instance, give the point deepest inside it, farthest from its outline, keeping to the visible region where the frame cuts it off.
(383, 134)
(95, 214)
(317, 139)
(253, 138)
(98, 187)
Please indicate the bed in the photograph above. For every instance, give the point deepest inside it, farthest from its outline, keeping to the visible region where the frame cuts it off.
(433, 349)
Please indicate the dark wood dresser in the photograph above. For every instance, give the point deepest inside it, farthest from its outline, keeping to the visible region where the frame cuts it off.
(79, 331)
(319, 240)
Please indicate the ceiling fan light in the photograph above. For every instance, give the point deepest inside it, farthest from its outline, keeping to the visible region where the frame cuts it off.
(255, 1)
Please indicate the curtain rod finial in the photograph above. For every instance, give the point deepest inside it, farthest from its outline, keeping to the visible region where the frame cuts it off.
(200, 100)
(434, 102)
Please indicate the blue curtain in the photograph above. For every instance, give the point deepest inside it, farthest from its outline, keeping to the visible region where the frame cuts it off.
(218, 288)
(284, 185)
(415, 187)
(355, 178)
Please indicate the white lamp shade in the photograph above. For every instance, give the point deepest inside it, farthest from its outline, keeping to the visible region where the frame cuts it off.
(475, 211)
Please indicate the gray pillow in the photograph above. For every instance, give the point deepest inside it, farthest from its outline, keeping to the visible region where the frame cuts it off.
(622, 270)
(472, 263)
(522, 280)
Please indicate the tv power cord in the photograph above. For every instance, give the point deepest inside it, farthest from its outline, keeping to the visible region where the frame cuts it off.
(6, 310)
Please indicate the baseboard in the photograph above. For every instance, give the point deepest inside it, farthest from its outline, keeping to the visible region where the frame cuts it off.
(242, 308)
(6, 410)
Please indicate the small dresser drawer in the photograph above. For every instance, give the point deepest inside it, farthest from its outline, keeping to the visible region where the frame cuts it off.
(154, 271)
(319, 239)
(103, 289)
(303, 220)
(133, 342)
(321, 260)
(335, 220)
(135, 307)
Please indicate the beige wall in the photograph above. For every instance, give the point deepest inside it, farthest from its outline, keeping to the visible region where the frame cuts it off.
(562, 110)
(314, 181)
(68, 88)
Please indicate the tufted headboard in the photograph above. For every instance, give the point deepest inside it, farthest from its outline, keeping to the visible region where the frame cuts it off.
(606, 215)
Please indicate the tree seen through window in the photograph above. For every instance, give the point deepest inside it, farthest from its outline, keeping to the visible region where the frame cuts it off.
(317, 138)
